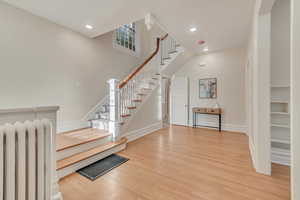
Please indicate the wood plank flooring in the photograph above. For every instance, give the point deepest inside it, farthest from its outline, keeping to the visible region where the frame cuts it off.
(180, 163)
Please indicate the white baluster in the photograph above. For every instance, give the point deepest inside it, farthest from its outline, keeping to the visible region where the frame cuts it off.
(162, 52)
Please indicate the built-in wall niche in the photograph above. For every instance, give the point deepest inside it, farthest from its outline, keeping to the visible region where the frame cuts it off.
(280, 93)
(280, 119)
(279, 106)
(280, 124)
(281, 145)
(280, 133)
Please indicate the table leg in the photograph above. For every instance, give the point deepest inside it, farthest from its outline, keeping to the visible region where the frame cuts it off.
(220, 123)
(193, 120)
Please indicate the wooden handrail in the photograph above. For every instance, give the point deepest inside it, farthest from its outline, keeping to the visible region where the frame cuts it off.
(124, 82)
(163, 38)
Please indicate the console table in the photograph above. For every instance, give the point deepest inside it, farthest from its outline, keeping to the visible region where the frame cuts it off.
(207, 111)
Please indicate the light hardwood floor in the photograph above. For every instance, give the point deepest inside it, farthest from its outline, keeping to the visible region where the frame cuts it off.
(182, 163)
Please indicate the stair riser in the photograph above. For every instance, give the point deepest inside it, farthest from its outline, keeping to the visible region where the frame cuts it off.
(81, 148)
(73, 168)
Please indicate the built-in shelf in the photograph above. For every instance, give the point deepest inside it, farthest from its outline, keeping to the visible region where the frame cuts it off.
(279, 101)
(280, 125)
(280, 120)
(281, 141)
(280, 113)
(281, 156)
(281, 106)
(285, 152)
(280, 86)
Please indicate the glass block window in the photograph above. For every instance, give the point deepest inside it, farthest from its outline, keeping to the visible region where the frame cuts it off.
(126, 36)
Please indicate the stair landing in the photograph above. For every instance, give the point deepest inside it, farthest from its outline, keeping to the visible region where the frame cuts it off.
(74, 138)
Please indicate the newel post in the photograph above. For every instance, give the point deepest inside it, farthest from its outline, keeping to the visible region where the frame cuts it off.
(114, 108)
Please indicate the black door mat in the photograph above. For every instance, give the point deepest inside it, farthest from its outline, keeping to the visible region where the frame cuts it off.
(101, 167)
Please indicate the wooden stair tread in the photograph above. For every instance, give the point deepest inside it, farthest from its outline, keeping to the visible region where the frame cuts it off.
(131, 107)
(128, 115)
(74, 138)
(66, 162)
(137, 100)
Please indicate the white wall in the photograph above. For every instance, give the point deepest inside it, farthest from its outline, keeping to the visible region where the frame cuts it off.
(228, 67)
(295, 110)
(45, 64)
(149, 40)
(280, 39)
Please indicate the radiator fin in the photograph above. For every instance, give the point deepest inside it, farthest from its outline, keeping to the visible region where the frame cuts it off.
(25, 161)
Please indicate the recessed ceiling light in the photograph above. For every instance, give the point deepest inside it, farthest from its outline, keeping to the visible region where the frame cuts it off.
(193, 29)
(205, 49)
(89, 26)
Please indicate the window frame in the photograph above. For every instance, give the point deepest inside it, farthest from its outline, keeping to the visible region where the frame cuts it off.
(127, 50)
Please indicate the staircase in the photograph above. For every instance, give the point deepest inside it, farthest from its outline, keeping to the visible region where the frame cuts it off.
(135, 89)
(77, 149)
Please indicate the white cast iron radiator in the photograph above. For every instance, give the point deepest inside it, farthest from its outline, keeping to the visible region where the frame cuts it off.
(25, 160)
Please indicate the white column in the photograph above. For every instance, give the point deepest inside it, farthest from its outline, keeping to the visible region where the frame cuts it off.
(262, 95)
(114, 111)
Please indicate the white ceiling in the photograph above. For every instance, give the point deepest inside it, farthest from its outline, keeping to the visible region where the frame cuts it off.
(221, 23)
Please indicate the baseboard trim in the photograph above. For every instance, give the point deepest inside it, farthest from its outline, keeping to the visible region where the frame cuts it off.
(136, 134)
(225, 127)
(65, 126)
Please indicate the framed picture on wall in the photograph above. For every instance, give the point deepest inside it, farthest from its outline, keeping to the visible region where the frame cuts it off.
(208, 88)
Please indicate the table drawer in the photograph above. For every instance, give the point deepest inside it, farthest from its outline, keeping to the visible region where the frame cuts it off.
(213, 110)
(201, 110)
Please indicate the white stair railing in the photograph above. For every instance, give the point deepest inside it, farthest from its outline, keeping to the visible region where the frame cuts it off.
(168, 46)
